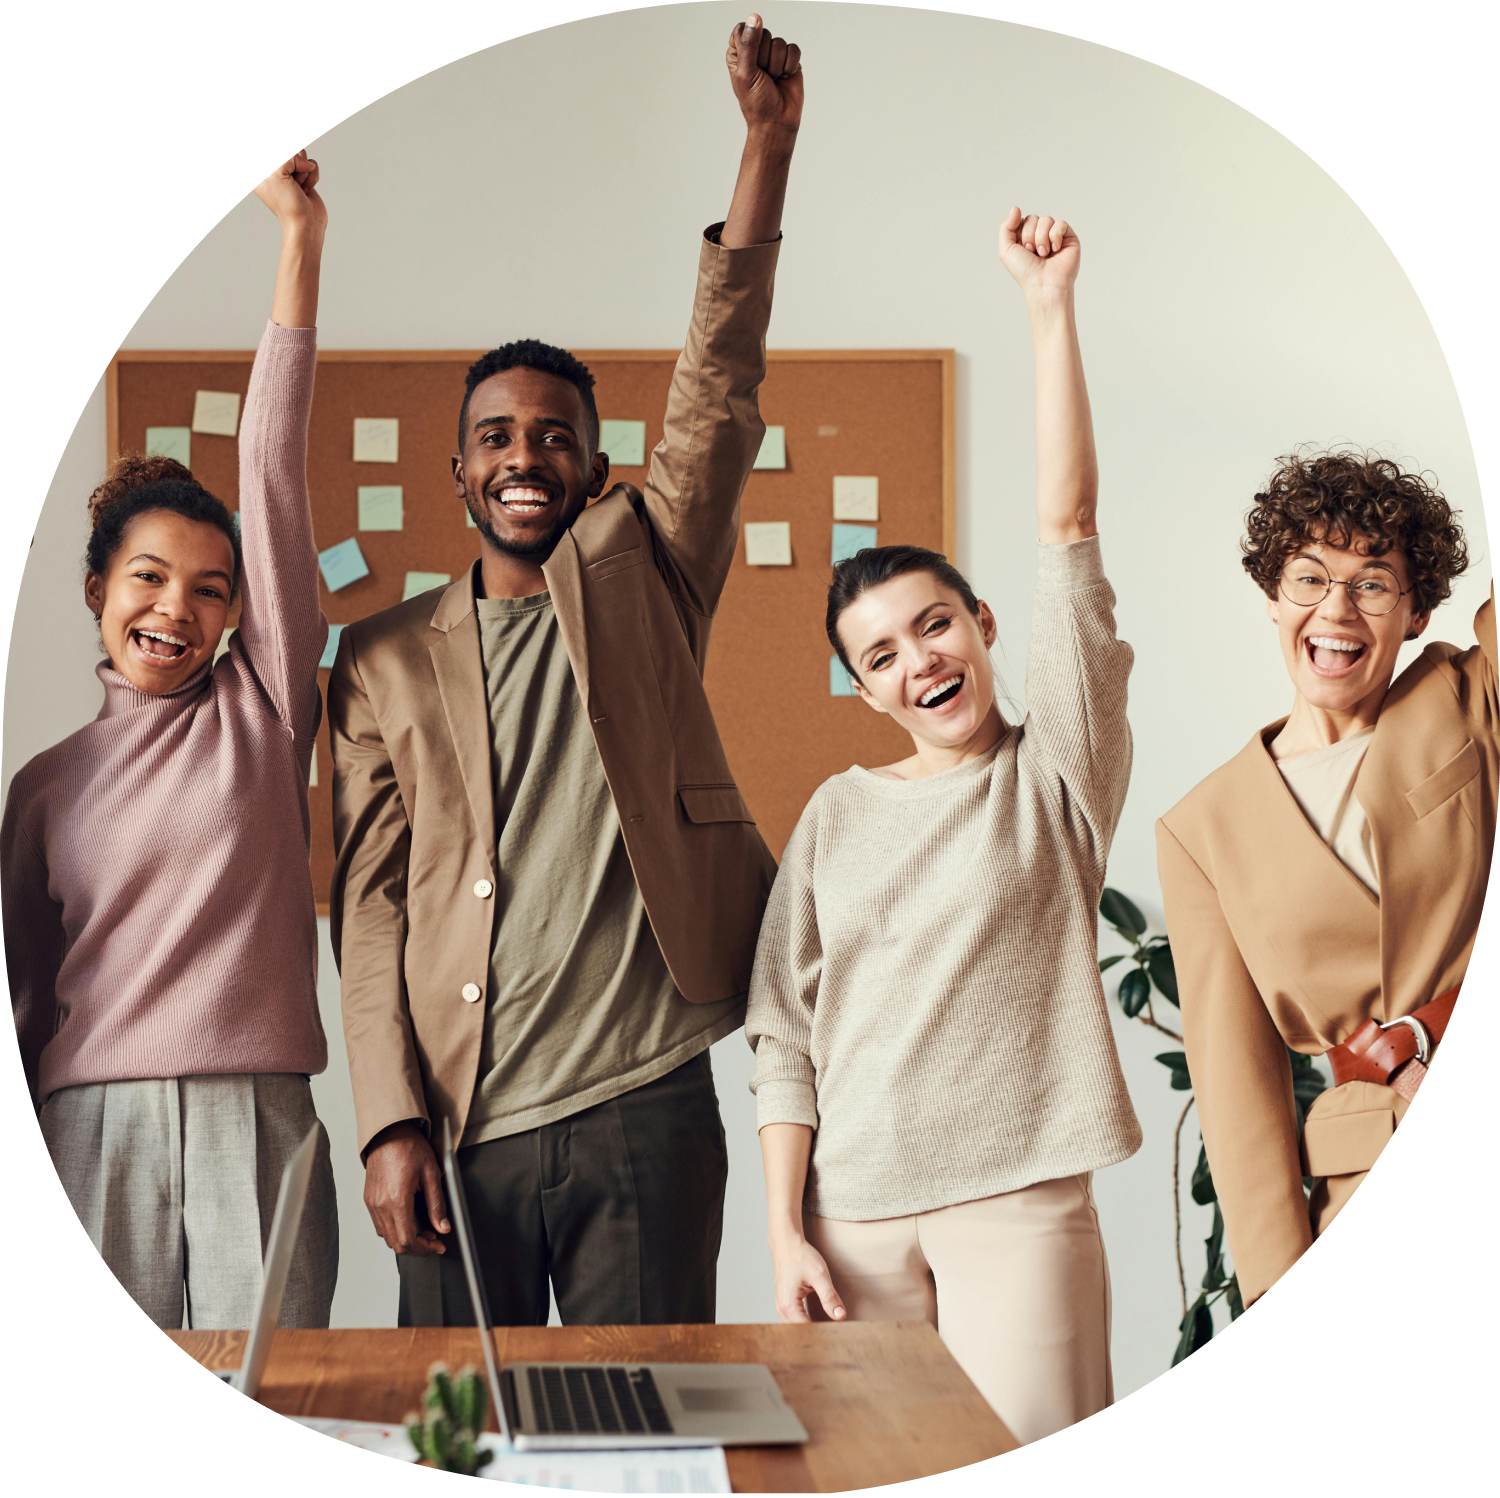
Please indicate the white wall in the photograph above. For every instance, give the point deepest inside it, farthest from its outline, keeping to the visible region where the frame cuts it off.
(1233, 303)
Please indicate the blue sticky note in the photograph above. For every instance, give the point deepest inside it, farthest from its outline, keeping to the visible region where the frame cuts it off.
(343, 564)
(331, 649)
(170, 442)
(840, 684)
(624, 441)
(847, 539)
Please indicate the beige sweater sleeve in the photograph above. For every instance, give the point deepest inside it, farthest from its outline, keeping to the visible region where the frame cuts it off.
(784, 988)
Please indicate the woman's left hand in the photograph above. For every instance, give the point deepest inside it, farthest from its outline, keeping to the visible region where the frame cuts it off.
(1041, 253)
(291, 193)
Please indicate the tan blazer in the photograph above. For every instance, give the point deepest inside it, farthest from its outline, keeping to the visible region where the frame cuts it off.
(1276, 941)
(635, 583)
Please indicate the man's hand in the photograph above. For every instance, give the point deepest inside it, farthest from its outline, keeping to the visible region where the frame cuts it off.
(291, 193)
(767, 76)
(400, 1163)
(1041, 253)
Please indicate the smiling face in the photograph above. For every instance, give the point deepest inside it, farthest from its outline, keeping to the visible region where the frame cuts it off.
(922, 657)
(526, 470)
(164, 599)
(1340, 658)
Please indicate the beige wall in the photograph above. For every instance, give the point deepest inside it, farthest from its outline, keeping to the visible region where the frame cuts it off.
(1233, 303)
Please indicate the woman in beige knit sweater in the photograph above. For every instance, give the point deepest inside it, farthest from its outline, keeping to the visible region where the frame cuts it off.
(935, 1074)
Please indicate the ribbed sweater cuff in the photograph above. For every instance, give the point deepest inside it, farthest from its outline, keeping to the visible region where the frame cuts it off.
(1070, 566)
(785, 1101)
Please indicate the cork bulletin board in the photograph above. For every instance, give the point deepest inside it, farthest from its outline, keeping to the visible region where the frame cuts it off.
(883, 413)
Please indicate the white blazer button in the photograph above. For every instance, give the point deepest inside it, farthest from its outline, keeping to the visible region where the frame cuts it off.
(483, 888)
(471, 993)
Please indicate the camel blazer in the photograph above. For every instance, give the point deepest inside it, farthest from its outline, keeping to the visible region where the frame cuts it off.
(635, 583)
(1276, 941)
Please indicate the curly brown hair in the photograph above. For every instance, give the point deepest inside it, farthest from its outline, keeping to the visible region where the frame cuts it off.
(130, 472)
(1349, 497)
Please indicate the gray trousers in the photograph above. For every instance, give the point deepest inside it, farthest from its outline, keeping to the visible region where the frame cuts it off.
(621, 1205)
(175, 1182)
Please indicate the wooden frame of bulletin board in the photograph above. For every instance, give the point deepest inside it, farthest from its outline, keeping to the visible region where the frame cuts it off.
(886, 413)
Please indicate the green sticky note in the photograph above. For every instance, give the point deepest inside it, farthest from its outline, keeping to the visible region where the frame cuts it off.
(380, 507)
(772, 452)
(624, 441)
(424, 582)
(840, 683)
(847, 539)
(170, 442)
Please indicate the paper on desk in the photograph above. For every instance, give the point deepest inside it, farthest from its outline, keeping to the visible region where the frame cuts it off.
(772, 452)
(170, 442)
(624, 441)
(217, 412)
(377, 439)
(696, 1469)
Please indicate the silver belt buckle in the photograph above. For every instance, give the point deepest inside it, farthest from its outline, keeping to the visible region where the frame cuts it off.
(1417, 1028)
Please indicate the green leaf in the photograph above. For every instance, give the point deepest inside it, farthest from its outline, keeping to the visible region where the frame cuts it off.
(1213, 1245)
(1121, 914)
(1197, 1328)
(1236, 1304)
(1164, 972)
(1176, 1063)
(1203, 1181)
(1105, 963)
(1135, 990)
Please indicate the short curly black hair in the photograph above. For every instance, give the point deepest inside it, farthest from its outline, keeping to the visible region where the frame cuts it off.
(1351, 497)
(532, 353)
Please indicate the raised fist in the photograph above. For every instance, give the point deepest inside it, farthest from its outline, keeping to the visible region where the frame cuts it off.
(767, 76)
(1040, 252)
(291, 193)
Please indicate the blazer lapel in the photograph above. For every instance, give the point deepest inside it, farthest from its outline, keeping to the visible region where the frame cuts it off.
(458, 664)
(564, 573)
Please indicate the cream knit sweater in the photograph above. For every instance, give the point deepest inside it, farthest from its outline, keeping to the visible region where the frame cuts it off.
(926, 991)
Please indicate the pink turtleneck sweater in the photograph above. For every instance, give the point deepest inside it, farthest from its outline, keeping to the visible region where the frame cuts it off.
(158, 905)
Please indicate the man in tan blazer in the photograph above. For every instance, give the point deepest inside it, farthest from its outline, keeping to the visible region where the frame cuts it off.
(1333, 872)
(548, 887)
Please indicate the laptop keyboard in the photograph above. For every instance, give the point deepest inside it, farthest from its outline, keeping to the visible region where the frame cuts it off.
(596, 1398)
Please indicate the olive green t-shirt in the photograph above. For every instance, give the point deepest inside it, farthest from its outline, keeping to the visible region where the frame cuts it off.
(580, 1006)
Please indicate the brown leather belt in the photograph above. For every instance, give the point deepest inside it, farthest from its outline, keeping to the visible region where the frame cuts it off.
(1395, 1054)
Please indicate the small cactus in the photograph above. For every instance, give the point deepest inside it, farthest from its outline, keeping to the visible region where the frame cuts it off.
(446, 1434)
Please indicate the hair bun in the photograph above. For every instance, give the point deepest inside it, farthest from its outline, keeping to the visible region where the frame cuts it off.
(131, 472)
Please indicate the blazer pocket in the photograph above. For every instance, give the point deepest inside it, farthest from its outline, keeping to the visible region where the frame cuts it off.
(1445, 782)
(1346, 1142)
(714, 803)
(619, 562)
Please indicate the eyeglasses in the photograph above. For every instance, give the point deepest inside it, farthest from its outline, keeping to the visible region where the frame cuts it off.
(1372, 590)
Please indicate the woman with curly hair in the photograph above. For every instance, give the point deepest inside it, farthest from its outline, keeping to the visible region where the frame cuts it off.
(1323, 888)
(158, 907)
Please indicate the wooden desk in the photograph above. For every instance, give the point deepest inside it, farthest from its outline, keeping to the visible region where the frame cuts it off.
(883, 1402)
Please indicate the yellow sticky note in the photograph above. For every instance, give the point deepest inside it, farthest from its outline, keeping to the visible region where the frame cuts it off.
(424, 582)
(768, 543)
(855, 498)
(380, 507)
(216, 412)
(377, 439)
(772, 452)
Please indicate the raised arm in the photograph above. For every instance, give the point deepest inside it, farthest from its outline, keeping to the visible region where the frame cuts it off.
(713, 427)
(1042, 254)
(282, 629)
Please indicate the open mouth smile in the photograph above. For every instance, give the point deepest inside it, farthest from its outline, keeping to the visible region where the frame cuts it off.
(523, 499)
(1333, 655)
(941, 693)
(159, 646)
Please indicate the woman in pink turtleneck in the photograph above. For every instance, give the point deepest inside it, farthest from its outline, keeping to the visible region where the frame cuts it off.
(159, 921)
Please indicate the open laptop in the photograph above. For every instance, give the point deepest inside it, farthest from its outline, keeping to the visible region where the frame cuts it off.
(618, 1406)
(290, 1201)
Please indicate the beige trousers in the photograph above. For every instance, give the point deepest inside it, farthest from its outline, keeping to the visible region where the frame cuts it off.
(175, 1181)
(1016, 1285)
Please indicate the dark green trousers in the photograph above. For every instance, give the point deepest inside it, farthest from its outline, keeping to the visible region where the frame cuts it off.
(620, 1205)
